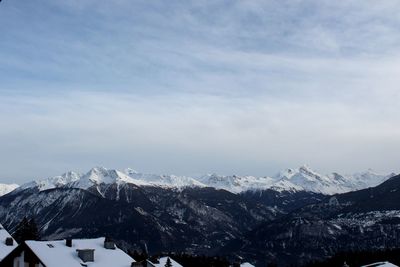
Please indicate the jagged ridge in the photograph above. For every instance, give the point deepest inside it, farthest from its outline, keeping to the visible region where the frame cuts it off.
(300, 179)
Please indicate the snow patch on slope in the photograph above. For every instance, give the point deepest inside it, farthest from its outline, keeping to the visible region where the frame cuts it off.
(236, 184)
(7, 188)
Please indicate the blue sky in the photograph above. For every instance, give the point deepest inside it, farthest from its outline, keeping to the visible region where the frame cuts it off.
(189, 87)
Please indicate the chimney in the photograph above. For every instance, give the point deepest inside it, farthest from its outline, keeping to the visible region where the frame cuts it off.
(109, 243)
(86, 255)
(9, 241)
(68, 242)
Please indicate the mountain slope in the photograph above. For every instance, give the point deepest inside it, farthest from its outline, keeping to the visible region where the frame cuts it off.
(385, 196)
(190, 219)
(365, 219)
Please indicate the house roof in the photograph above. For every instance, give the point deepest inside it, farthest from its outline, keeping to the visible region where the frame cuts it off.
(162, 261)
(5, 250)
(381, 264)
(56, 253)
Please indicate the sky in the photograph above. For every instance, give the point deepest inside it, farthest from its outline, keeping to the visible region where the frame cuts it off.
(193, 87)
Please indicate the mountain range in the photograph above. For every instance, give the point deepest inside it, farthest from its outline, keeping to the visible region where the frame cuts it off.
(298, 179)
(296, 216)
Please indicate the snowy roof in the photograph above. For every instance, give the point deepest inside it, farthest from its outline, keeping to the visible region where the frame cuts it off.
(380, 264)
(246, 264)
(57, 254)
(4, 249)
(162, 261)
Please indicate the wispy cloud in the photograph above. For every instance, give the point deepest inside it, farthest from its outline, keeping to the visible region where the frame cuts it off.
(226, 86)
(188, 134)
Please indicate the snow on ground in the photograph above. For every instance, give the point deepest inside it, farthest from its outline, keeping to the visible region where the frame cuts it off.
(162, 261)
(380, 264)
(4, 249)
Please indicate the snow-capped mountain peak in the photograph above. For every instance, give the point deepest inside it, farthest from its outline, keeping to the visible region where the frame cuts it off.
(101, 175)
(304, 172)
(309, 180)
(53, 182)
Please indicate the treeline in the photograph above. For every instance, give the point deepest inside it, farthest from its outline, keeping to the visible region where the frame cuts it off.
(359, 258)
(27, 229)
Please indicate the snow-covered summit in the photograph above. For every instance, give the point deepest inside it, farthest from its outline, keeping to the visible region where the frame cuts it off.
(309, 180)
(164, 180)
(53, 182)
(100, 175)
(7, 188)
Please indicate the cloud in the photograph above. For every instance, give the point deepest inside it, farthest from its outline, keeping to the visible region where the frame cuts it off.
(243, 87)
(188, 134)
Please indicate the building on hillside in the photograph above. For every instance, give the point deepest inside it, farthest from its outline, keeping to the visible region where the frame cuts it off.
(380, 264)
(160, 262)
(239, 261)
(98, 252)
(7, 243)
(244, 264)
